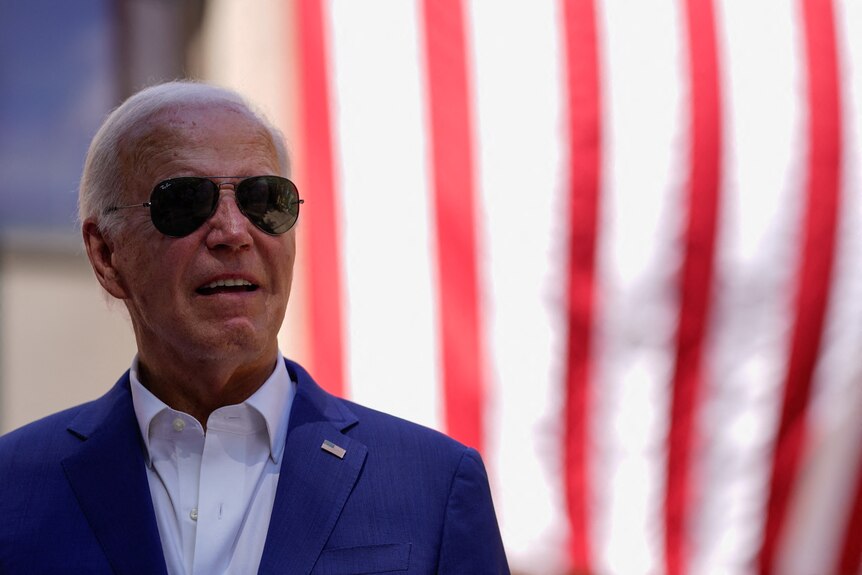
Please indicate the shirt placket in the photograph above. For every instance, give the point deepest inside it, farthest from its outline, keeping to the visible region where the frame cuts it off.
(188, 451)
(223, 497)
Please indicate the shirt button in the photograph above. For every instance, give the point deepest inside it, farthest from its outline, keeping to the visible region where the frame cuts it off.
(194, 514)
(179, 424)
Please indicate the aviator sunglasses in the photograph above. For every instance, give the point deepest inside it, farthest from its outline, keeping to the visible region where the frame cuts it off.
(179, 206)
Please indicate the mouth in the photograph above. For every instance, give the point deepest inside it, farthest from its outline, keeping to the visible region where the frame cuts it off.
(230, 285)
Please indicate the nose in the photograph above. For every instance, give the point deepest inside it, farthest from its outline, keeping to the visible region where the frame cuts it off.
(228, 226)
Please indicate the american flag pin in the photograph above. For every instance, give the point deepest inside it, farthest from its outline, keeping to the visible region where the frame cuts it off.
(333, 449)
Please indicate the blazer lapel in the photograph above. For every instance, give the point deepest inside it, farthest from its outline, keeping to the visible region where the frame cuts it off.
(109, 479)
(314, 483)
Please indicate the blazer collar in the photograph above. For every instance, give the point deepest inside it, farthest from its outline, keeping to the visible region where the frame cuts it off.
(315, 481)
(109, 480)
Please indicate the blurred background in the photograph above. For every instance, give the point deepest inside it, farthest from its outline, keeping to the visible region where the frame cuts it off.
(614, 245)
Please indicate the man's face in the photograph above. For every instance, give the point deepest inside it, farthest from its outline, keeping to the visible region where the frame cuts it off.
(163, 280)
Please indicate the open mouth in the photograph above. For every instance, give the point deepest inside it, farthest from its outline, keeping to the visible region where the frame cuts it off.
(227, 286)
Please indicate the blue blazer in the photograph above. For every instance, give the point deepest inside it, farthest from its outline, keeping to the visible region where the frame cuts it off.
(74, 496)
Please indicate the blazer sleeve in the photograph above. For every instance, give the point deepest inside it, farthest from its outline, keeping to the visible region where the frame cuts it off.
(471, 537)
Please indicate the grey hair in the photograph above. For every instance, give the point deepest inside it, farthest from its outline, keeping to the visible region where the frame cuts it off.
(105, 176)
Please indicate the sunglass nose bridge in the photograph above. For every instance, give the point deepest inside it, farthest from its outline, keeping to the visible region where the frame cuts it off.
(228, 185)
(226, 191)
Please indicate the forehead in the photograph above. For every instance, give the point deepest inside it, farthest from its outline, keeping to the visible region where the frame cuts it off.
(201, 138)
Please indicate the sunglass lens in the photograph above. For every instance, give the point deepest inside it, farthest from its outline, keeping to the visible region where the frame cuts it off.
(181, 205)
(270, 202)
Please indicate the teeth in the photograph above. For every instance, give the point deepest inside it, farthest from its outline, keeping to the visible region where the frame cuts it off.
(227, 283)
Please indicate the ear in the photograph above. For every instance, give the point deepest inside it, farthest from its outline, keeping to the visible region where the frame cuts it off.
(100, 251)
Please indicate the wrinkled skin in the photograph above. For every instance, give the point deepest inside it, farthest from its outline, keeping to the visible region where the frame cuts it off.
(198, 352)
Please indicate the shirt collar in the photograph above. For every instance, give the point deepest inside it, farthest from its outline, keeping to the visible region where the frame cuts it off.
(272, 400)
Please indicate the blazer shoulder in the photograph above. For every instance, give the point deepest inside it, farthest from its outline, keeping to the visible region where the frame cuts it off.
(52, 435)
(40, 430)
(30, 458)
(372, 427)
(389, 432)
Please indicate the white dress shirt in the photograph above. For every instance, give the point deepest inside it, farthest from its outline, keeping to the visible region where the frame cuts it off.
(213, 492)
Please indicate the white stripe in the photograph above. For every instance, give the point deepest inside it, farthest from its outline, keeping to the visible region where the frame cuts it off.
(824, 494)
(520, 178)
(756, 263)
(378, 110)
(644, 159)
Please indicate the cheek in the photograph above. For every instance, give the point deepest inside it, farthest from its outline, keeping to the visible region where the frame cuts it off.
(129, 270)
(284, 258)
(288, 271)
(148, 273)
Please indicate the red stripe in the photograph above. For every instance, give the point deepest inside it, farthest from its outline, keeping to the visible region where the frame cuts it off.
(318, 185)
(850, 559)
(584, 109)
(455, 202)
(821, 217)
(697, 272)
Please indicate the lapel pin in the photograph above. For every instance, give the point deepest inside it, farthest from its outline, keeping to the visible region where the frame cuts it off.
(333, 449)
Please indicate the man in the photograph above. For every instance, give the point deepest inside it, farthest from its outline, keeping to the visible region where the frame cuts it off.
(213, 454)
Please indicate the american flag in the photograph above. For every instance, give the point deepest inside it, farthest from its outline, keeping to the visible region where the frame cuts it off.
(616, 246)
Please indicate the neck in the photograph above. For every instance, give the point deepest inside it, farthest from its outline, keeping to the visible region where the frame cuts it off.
(200, 387)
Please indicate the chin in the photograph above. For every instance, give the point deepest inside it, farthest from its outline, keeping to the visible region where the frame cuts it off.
(234, 337)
